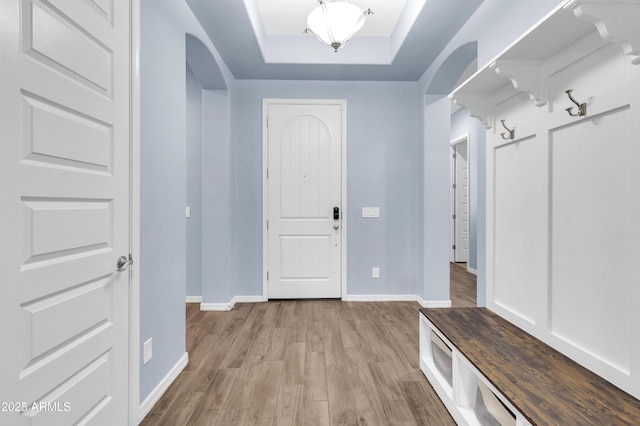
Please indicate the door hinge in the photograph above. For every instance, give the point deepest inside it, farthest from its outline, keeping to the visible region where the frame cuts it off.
(267, 173)
(453, 216)
(267, 275)
(453, 246)
(455, 155)
(454, 186)
(267, 121)
(267, 224)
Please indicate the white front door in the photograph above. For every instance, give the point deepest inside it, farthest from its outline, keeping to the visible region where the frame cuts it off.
(64, 206)
(304, 196)
(461, 213)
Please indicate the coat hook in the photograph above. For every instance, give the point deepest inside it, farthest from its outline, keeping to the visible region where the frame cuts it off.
(582, 107)
(512, 132)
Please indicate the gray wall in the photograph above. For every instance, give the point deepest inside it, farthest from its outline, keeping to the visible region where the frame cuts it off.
(194, 184)
(217, 198)
(163, 181)
(381, 171)
(163, 192)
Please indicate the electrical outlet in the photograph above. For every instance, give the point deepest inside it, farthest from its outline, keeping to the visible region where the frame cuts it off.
(148, 351)
(375, 273)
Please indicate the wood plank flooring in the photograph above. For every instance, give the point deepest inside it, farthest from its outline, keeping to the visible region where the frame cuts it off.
(304, 362)
(463, 286)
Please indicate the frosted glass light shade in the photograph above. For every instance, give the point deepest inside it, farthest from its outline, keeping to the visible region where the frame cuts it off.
(335, 22)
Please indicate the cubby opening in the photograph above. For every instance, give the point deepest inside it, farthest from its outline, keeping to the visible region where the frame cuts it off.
(442, 357)
(490, 410)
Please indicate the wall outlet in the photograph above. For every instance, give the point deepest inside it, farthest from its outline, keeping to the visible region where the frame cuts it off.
(148, 351)
(375, 273)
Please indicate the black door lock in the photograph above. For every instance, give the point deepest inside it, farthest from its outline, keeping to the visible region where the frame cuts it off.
(336, 213)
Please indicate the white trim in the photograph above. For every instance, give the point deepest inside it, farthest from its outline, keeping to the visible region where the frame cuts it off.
(134, 212)
(222, 307)
(434, 303)
(230, 305)
(472, 271)
(265, 186)
(381, 298)
(193, 299)
(162, 387)
(248, 299)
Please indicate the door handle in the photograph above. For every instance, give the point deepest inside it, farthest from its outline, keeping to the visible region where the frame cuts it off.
(123, 262)
(336, 226)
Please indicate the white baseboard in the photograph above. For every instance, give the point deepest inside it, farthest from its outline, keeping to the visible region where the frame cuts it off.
(229, 306)
(434, 303)
(348, 298)
(216, 306)
(380, 298)
(162, 387)
(248, 299)
(193, 299)
(472, 271)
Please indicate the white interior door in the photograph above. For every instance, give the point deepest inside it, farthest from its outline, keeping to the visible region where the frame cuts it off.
(461, 196)
(64, 200)
(304, 143)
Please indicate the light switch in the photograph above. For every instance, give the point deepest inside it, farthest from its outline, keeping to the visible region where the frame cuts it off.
(148, 351)
(371, 212)
(187, 212)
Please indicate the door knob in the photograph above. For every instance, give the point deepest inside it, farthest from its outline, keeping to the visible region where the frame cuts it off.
(123, 262)
(336, 226)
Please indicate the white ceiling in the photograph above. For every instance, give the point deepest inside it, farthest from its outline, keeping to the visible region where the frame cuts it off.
(289, 17)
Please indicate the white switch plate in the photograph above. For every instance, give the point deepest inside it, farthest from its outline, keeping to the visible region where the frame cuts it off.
(375, 273)
(187, 212)
(371, 212)
(148, 351)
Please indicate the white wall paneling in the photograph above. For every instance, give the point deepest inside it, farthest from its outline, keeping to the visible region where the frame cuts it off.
(562, 208)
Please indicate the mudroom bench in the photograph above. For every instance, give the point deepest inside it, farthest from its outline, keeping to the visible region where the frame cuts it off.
(487, 371)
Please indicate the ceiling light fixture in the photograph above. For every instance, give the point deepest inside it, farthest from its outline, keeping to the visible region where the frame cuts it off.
(334, 22)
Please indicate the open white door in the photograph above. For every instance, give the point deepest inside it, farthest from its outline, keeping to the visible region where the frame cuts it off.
(64, 201)
(460, 195)
(304, 198)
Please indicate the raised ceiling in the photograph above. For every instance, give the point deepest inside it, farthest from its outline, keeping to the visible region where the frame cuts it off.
(289, 17)
(263, 39)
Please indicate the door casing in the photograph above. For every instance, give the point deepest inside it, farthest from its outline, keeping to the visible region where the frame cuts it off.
(265, 185)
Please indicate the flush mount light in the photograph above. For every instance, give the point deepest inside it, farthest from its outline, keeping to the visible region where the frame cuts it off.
(335, 22)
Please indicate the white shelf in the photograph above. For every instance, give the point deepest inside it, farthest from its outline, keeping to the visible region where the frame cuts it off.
(521, 66)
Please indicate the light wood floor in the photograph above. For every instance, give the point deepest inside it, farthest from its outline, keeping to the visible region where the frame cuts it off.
(309, 362)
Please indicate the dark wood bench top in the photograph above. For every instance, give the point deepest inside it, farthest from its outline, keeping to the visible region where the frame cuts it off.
(545, 385)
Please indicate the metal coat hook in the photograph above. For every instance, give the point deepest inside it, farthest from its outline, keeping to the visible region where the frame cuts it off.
(582, 107)
(512, 132)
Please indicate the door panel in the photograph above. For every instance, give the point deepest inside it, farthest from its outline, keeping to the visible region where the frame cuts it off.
(304, 186)
(462, 203)
(64, 164)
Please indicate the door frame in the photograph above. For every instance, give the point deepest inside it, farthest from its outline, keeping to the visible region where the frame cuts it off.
(134, 212)
(452, 197)
(266, 102)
